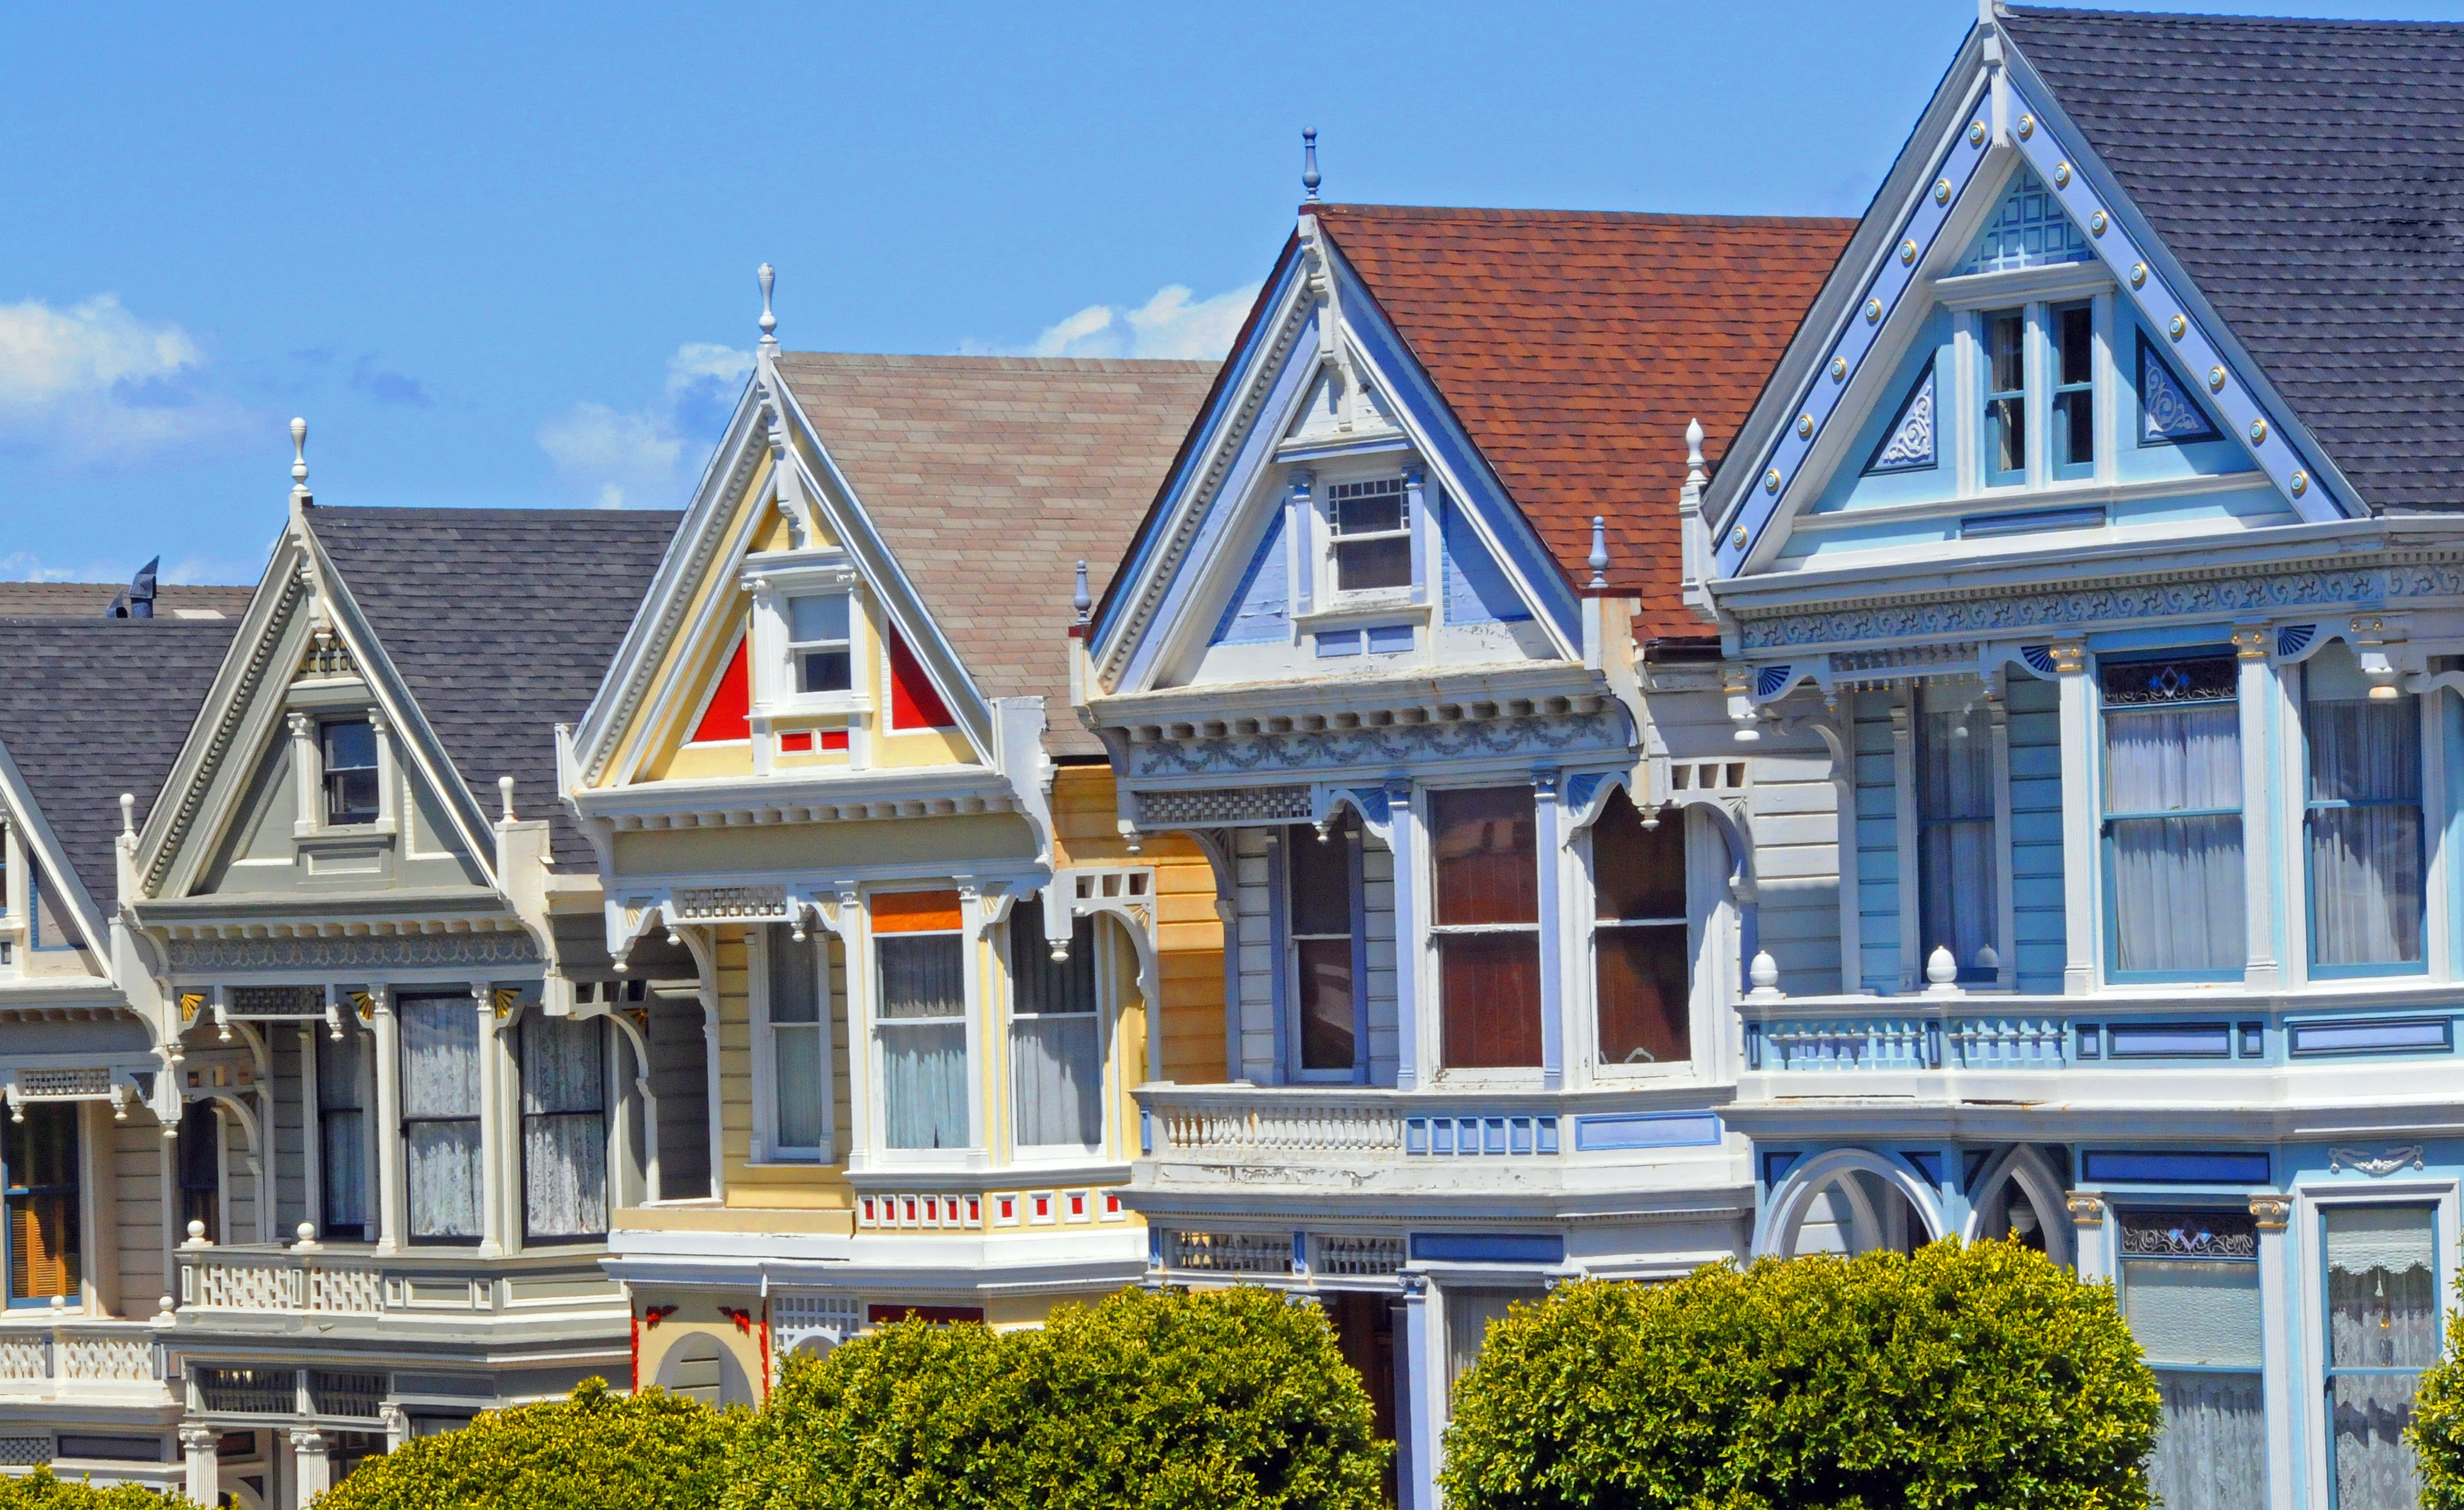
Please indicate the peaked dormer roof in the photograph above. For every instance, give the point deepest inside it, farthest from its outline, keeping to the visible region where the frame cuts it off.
(94, 708)
(990, 477)
(2309, 176)
(1572, 346)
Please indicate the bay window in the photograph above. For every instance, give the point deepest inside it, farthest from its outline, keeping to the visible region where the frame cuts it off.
(800, 1046)
(564, 1127)
(1323, 929)
(38, 1169)
(919, 948)
(440, 1117)
(2190, 1291)
(1958, 883)
(1371, 526)
(2173, 817)
(1640, 959)
(2382, 1332)
(342, 1075)
(1485, 849)
(2006, 396)
(1056, 1035)
(2363, 819)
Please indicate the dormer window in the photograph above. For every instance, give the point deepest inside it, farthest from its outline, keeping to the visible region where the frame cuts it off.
(2006, 396)
(818, 643)
(349, 748)
(1371, 524)
(2073, 335)
(2037, 364)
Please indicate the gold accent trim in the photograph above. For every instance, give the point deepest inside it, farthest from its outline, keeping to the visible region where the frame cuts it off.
(2139, 274)
(502, 998)
(2272, 1213)
(2027, 128)
(2086, 1210)
(1942, 191)
(1908, 251)
(1838, 369)
(2096, 224)
(2061, 175)
(1976, 133)
(2215, 380)
(2250, 642)
(189, 1003)
(1804, 425)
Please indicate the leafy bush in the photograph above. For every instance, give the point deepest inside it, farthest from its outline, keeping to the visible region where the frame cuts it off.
(1962, 1377)
(2437, 1430)
(596, 1450)
(40, 1491)
(1229, 1400)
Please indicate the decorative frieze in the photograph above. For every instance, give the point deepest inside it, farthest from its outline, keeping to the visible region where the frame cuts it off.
(2375, 1162)
(197, 957)
(1224, 804)
(2188, 1234)
(731, 904)
(1394, 744)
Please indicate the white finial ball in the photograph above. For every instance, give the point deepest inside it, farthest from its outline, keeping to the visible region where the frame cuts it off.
(1765, 970)
(1941, 967)
(307, 1232)
(196, 1232)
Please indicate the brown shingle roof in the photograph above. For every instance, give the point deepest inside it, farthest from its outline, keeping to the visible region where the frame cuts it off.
(990, 477)
(1574, 345)
(76, 600)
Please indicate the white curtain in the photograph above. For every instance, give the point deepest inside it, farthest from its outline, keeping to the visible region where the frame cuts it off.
(2365, 881)
(2212, 1449)
(1056, 1047)
(564, 1127)
(2381, 1331)
(1469, 1314)
(440, 1108)
(2177, 882)
(799, 1087)
(923, 1040)
(342, 1136)
(1955, 815)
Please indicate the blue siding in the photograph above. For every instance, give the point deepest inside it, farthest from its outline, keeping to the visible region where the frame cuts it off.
(2037, 831)
(1476, 589)
(1260, 611)
(1878, 845)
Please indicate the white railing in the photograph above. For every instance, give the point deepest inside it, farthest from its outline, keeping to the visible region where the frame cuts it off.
(74, 1356)
(259, 1281)
(1235, 1123)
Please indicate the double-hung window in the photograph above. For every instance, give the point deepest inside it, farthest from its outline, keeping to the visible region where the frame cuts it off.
(440, 1117)
(2364, 818)
(2173, 818)
(38, 1169)
(800, 1045)
(1371, 523)
(920, 950)
(818, 643)
(1323, 923)
(342, 1136)
(2382, 1332)
(1056, 1043)
(2190, 1291)
(2006, 396)
(1640, 959)
(1957, 880)
(1485, 849)
(2070, 339)
(564, 1127)
(349, 749)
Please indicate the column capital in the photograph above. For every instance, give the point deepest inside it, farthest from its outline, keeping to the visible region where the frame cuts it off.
(199, 1438)
(2272, 1213)
(2086, 1209)
(2070, 656)
(307, 1439)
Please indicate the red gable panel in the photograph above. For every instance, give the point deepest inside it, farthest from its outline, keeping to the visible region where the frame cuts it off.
(914, 704)
(731, 705)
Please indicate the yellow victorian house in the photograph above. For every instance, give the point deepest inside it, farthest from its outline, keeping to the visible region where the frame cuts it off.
(835, 791)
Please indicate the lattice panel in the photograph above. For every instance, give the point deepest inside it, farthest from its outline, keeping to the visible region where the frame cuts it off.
(108, 1360)
(347, 1292)
(24, 1452)
(35, 1085)
(238, 1288)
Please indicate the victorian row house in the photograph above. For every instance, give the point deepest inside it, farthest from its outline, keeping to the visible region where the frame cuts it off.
(1590, 744)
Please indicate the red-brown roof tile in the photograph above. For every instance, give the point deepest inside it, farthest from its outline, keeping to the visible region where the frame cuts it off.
(1572, 346)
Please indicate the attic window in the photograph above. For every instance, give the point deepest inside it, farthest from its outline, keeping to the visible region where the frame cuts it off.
(350, 755)
(817, 643)
(1372, 525)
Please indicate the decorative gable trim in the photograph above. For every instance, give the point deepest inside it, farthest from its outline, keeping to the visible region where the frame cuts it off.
(35, 831)
(1911, 443)
(2169, 415)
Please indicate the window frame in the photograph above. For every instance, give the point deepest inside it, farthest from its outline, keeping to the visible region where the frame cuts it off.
(1692, 922)
(1989, 718)
(328, 816)
(798, 648)
(1989, 476)
(363, 1106)
(478, 1119)
(766, 1061)
(2426, 741)
(775, 579)
(202, 1110)
(1434, 933)
(605, 1116)
(1970, 298)
(2306, 1230)
(2099, 774)
(1335, 539)
(1105, 1016)
(2056, 389)
(970, 1011)
(2189, 1204)
(13, 1190)
(1347, 830)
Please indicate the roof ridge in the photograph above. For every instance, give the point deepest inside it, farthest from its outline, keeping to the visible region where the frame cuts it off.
(437, 511)
(992, 362)
(2283, 22)
(1605, 216)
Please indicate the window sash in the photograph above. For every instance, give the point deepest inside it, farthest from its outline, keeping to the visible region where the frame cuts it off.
(1642, 980)
(43, 1232)
(2072, 409)
(920, 1027)
(796, 1015)
(444, 1175)
(2363, 834)
(2006, 403)
(2382, 1300)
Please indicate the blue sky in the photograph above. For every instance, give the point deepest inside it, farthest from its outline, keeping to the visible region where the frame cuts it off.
(503, 255)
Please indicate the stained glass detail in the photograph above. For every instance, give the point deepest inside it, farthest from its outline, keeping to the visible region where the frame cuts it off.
(2027, 230)
(2199, 680)
(1908, 446)
(2168, 414)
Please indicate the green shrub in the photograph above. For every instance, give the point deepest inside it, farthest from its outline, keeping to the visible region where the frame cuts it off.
(1959, 1379)
(40, 1491)
(2437, 1430)
(1229, 1400)
(596, 1450)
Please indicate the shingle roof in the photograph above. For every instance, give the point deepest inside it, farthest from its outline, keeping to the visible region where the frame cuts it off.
(91, 708)
(990, 477)
(2309, 175)
(1574, 345)
(501, 622)
(84, 600)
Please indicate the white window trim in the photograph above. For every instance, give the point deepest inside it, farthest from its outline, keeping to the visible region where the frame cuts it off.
(765, 1149)
(865, 990)
(773, 579)
(1108, 1020)
(1906, 703)
(2034, 296)
(1706, 891)
(1321, 481)
(2301, 1418)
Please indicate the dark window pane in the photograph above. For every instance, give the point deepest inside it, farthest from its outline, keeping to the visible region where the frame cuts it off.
(2006, 348)
(1490, 986)
(350, 797)
(2073, 429)
(1373, 563)
(1325, 978)
(350, 744)
(1638, 872)
(2072, 333)
(1642, 989)
(922, 976)
(824, 671)
(1368, 508)
(1487, 862)
(1320, 873)
(2006, 435)
(1041, 982)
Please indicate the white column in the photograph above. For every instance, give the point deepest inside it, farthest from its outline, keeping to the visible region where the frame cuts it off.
(311, 1467)
(2006, 910)
(856, 958)
(2082, 913)
(388, 1049)
(2093, 1239)
(1549, 830)
(1402, 838)
(2283, 1404)
(388, 783)
(2260, 891)
(971, 913)
(1419, 1396)
(308, 812)
(1914, 946)
(205, 1472)
(492, 1124)
(312, 1142)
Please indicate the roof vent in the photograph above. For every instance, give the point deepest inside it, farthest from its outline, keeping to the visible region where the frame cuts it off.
(136, 601)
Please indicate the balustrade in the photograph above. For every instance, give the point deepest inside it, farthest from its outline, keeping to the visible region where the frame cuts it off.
(71, 1357)
(262, 1281)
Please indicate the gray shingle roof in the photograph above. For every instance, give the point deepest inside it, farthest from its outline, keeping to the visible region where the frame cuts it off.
(2310, 177)
(80, 600)
(91, 708)
(501, 622)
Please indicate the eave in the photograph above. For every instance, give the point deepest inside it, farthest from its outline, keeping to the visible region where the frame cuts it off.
(759, 802)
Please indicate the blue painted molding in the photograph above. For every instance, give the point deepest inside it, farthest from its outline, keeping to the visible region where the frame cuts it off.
(1678, 1129)
(2164, 1167)
(1487, 1247)
(1480, 1136)
(1775, 1167)
(2373, 1036)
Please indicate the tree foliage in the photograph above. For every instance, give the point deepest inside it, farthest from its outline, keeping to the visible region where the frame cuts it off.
(2437, 1430)
(1229, 1400)
(40, 1491)
(596, 1450)
(1960, 1378)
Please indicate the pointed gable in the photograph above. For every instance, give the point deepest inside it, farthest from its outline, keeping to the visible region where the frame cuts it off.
(2307, 175)
(2028, 229)
(1573, 346)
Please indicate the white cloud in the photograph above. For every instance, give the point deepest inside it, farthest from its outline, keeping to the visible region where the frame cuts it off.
(1168, 325)
(636, 456)
(92, 384)
(24, 566)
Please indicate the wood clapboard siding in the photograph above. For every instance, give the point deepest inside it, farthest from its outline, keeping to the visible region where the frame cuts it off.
(1877, 842)
(2036, 832)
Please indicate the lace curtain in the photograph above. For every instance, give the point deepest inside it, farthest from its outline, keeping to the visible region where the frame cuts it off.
(923, 1040)
(564, 1127)
(799, 1083)
(2381, 1331)
(440, 1111)
(1056, 1050)
(2200, 1323)
(2365, 822)
(2177, 880)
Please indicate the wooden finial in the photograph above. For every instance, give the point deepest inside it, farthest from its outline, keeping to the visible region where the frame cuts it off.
(1308, 162)
(769, 321)
(1599, 561)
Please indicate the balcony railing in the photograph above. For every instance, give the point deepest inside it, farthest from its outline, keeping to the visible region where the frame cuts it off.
(1294, 1125)
(269, 1281)
(78, 1357)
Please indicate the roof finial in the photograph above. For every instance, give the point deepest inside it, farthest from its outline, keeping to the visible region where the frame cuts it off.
(1695, 474)
(299, 460)
(1080, 600)
(769, 321)
(1308, 162)
(1599, 562)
